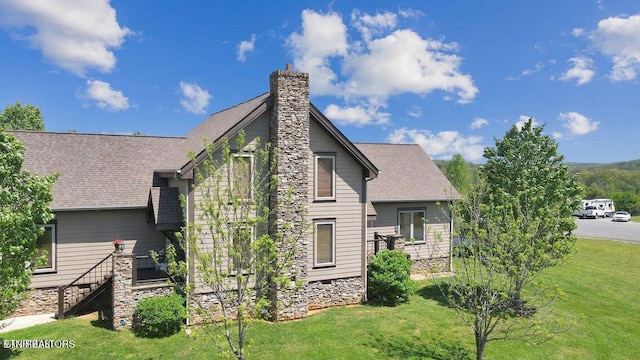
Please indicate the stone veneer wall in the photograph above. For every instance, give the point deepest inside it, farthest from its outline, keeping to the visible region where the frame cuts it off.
(40, 301)
(338, 292)
(433, 265)
(125, 295)
(289, 134)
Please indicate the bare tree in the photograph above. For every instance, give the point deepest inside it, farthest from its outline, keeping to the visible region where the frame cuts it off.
(236, 256)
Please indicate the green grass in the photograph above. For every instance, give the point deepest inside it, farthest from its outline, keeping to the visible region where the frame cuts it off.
(601, 284)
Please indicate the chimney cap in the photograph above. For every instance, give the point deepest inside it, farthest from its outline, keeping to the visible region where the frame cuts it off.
(288, 67)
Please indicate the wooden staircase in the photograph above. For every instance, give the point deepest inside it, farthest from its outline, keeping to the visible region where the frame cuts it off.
(84, 290)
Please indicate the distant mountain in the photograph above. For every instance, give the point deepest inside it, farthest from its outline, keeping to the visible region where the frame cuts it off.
(623, 165)
(573, 166)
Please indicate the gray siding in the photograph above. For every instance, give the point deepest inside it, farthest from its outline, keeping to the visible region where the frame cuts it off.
(84, 238)
(346, 210)
(258, 129)
(438, 230)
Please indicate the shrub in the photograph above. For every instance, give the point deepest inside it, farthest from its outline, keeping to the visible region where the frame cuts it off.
(159, 316)
(389, 277)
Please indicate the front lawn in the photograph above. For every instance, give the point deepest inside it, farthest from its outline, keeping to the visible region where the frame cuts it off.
(600, 282)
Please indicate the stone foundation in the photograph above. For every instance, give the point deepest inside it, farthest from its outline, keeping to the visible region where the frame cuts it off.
(432, 265)
(40, 301)
(338, 292)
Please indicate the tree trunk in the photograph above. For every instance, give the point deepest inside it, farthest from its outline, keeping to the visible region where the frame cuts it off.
(481, 341)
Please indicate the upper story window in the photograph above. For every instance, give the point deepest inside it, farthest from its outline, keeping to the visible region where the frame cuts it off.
(47, 244)
(325, 177)
(411, 224)
(242, 176)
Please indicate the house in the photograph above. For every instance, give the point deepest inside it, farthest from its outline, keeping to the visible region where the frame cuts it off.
(411, 197)
(128, 187)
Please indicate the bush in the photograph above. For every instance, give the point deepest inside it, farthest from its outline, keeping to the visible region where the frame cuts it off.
(159, 316)
(389, 279)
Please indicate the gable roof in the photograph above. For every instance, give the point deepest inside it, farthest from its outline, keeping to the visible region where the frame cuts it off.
(229, 122)
(99, 171)
(407, 173)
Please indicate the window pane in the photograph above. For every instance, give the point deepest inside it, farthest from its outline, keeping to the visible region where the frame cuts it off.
(405, 224)
(324, 243)
(242, 249)
(45, 243)
(325, 177)
(418, 225)
(242, 177)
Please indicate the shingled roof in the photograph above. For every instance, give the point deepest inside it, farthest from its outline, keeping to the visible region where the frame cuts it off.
(100, 171)
(407, 173)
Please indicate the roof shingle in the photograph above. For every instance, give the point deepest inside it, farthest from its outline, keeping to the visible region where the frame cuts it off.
(406, 174)
(100, 171)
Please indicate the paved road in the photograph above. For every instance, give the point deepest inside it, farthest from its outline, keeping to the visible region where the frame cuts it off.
(607, 229)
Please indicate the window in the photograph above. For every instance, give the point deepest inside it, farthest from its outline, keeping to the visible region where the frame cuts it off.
(241, 239)
(47, 243)
(324, 253)
(325, 177)
(411, 224)
(242, 175)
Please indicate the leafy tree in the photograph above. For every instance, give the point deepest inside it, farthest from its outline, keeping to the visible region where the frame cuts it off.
(481, 291)
(529, 183)
(458, 173)
(627, 201)
(24, 204)
(18, 117)
(235, 255)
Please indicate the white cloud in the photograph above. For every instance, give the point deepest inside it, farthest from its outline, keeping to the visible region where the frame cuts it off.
(74, 35)
(442, 145)
(106, 97)
(478, 123)
(539, 66)
(323, 37)
(404, 62)
(194, 98)
(369, 25)
(577, 32)
(356, 115)
(415, 111)
(384, 63)
(582, 70)
(523, 119)
(410, 13)
(246, 46)
(619, 38)
(577, 124)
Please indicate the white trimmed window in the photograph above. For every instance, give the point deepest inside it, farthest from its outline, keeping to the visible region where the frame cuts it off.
(325, 177)
(47, 244)
(241, 239)
(411, 225)
(242, 175)
(324, 243)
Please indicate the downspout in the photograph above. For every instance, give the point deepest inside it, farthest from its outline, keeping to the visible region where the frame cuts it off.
(187, 254)
(365, 230)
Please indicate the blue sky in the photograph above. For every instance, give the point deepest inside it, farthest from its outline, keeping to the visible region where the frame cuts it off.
(448, 75)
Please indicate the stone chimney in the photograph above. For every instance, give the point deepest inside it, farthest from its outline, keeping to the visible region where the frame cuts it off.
(289, 135)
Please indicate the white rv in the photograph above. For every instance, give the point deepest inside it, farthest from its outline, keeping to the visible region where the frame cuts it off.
(596, 208)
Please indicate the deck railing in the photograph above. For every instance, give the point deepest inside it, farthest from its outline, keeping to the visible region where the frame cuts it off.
(84, 285)
(148, 271)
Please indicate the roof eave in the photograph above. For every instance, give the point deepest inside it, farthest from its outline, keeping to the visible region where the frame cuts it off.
(186, 172)
(345, 143)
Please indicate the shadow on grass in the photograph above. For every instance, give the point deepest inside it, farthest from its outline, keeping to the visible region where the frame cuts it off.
(399, 347)
(102, 323)
(7, 353)
(434, 292)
